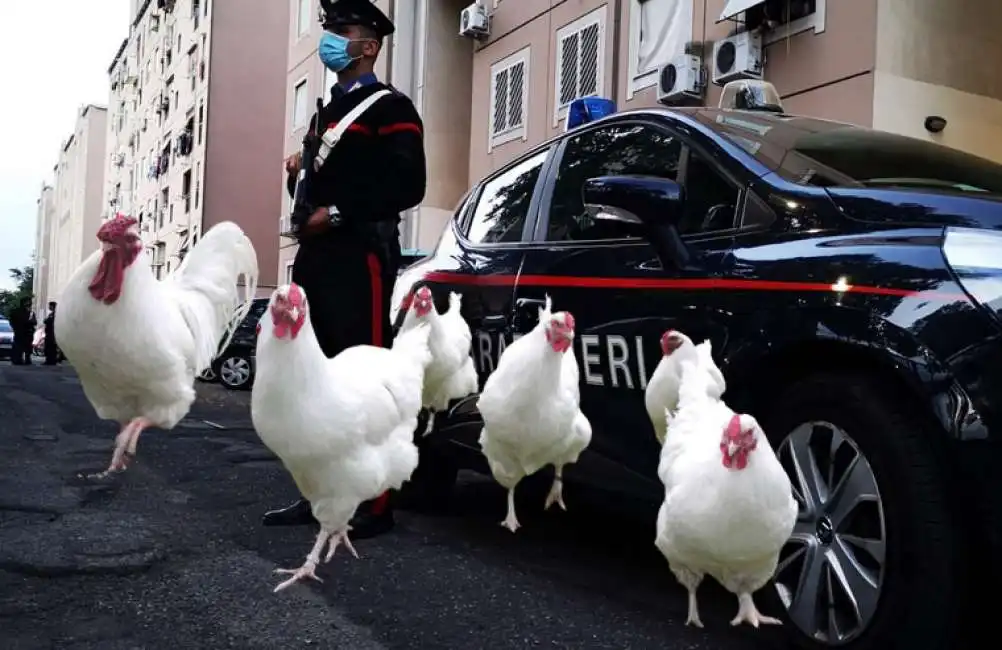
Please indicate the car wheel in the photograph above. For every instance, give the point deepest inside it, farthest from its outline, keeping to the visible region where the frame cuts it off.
(234, 371)
(873, 561)
(208, 375)
(430, 486)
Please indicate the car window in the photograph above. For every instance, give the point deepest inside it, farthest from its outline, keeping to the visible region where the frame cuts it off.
(710, 199)
(621, 149)
(5, 327)
(503, 205)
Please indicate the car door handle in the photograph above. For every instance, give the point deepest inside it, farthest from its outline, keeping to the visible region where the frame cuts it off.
(523, 304)
(494, 322)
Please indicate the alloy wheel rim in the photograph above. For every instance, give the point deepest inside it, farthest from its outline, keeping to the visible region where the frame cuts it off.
(234, 371)
(831, 572)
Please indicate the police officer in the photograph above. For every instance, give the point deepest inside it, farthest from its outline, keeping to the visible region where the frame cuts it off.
(22, 321)
(349, 249)
(51, 349)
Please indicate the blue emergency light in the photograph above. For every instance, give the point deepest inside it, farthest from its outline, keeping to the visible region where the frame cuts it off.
(588, 109)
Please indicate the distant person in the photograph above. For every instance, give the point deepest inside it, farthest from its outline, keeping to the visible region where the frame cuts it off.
(51, 349)
(23, 322)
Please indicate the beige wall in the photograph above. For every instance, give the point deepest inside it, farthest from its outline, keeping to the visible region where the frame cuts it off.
(244, 123)
(824, 71)
(77, 198)
(940, 57)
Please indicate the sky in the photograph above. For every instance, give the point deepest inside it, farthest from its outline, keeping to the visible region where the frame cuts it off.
(54, 58)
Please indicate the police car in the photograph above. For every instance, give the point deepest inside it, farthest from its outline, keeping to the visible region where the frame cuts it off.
(850, 282)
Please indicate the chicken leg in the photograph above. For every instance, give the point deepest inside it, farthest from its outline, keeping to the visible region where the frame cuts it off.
(691, 581)
(125, 447)
(308, 570)
(748, 613)
(556, 494)
(511, 522)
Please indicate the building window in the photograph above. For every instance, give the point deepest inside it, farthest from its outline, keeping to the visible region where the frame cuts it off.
(303, 18)
(788, 18)
(330, 80)
(580, 60)
(288, 272)
(659, 31)
(509, 99)
(300, 102)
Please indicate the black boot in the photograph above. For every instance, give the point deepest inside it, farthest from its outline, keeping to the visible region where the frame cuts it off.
(298, 514)
(372, 518)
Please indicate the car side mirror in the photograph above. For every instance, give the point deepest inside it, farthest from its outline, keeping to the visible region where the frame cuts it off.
(655, 203)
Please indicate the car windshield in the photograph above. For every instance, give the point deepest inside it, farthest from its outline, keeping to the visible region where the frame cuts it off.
(830, 154)
(877, 159)
(5, 327)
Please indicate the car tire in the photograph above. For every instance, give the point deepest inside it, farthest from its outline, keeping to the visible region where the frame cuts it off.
(432, 483)
(922, 580)
(234, 371)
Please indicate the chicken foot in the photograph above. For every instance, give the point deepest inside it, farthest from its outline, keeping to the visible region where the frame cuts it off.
(556, 494)
(748, 613)
(125, 447)
(511, 522)
(309, 568)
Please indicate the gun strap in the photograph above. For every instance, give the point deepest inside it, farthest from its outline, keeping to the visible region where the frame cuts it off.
(333, 135)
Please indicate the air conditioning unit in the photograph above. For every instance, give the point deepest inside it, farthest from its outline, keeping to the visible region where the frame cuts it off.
(474, 22)
(680, 79)
(737, 57)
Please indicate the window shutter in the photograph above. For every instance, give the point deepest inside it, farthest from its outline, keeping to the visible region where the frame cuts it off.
(516, 95)
(501, 101)
(588, 75)
(569, 58)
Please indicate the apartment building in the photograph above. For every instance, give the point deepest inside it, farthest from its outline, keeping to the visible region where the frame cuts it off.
(888, 64)
(197, 101)
(74, 201)
(43, 239)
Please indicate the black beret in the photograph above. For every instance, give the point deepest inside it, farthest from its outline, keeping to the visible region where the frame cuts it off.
(335, 13)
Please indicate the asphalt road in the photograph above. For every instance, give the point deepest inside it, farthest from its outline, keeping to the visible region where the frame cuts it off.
(171, 554)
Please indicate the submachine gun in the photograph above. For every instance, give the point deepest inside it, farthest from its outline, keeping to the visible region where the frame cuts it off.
(301, 208)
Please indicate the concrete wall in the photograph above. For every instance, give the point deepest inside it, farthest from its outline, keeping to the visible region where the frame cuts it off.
(940, 57)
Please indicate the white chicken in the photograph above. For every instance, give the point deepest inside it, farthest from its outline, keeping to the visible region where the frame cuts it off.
(451, 374)
(661, 395)
(136, 342)
(343, 427)
(728, 507)
(531, 409)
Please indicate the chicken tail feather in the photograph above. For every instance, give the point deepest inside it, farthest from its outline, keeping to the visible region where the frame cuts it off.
(211, 296)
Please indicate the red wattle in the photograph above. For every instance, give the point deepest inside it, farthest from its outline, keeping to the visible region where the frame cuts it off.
(106, 285)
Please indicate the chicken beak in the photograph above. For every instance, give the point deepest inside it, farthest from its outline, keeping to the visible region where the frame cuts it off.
(732, 449)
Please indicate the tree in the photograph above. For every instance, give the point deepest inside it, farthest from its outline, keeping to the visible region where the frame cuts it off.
(25, 279)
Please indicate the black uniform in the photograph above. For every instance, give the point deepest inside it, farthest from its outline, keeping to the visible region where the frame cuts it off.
(22, 321)
(51, 349)
(375, 172)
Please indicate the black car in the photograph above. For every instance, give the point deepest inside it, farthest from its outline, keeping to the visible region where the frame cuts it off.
(850, 281)
(234, 367)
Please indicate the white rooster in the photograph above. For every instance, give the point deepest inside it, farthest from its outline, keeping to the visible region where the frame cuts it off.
(343, 427)
(531, 409)
(451, 374)
(728, 507)
(661, 395)
(136, 342)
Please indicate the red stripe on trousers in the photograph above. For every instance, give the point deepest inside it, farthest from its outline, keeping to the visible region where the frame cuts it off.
(380, 503)
(376, 285)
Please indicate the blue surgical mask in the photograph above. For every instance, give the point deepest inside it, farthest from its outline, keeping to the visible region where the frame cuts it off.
(333, 51)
